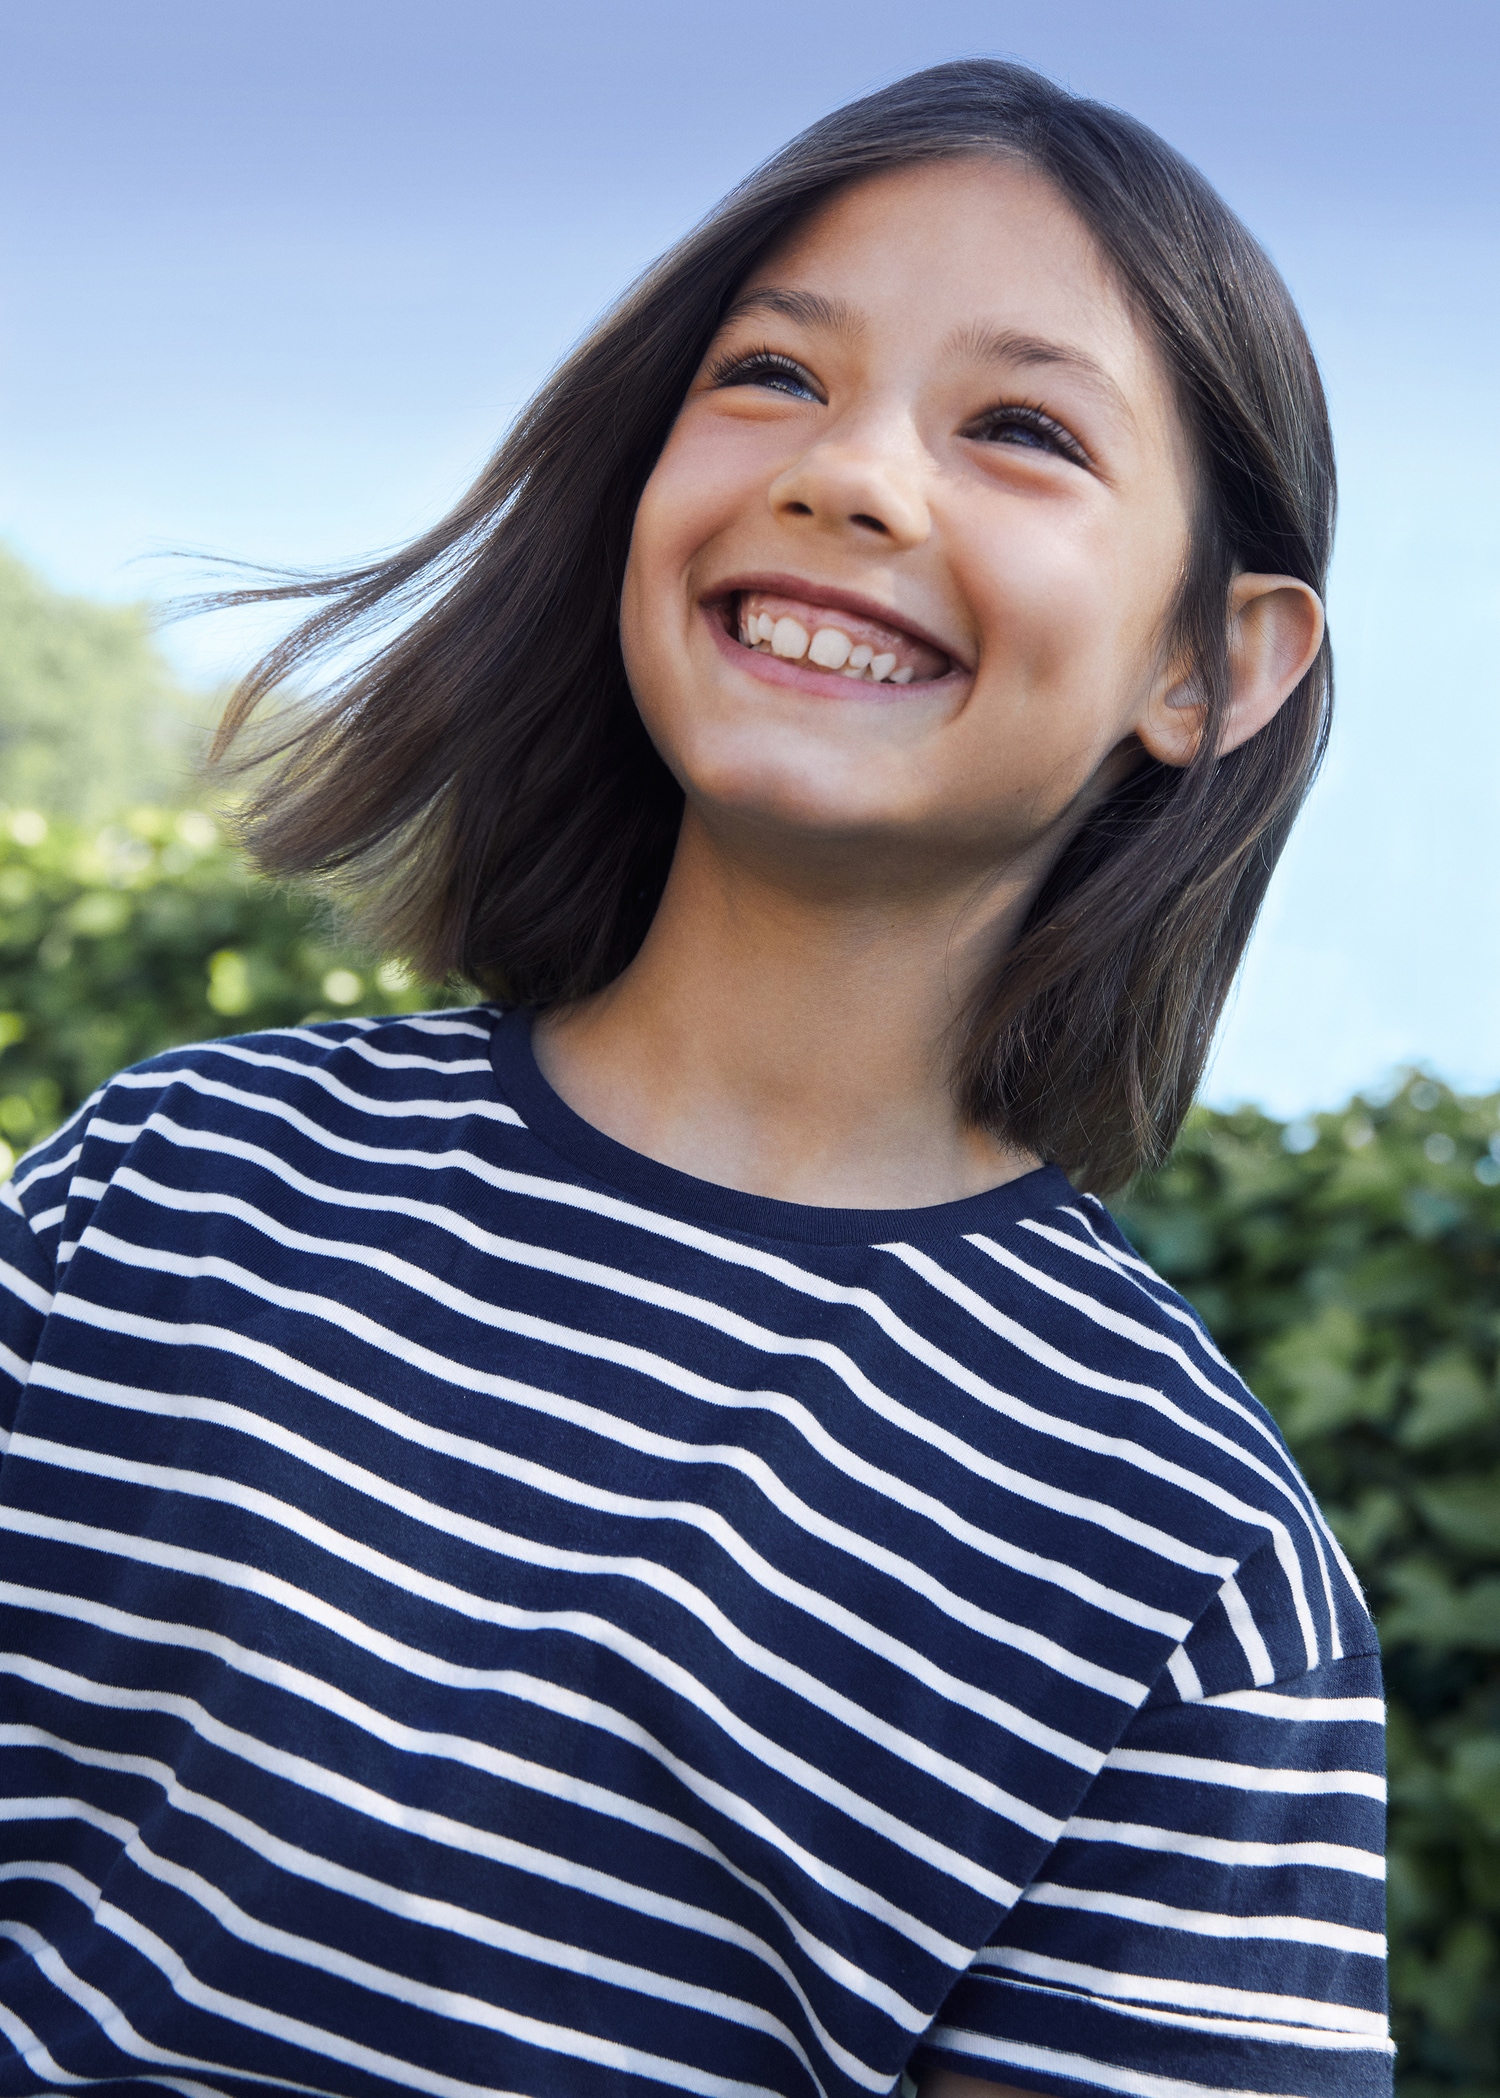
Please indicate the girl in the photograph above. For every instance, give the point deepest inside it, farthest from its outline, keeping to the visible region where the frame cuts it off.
(651, 1535)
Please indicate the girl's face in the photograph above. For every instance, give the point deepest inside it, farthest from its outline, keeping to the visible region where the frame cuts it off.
(900, 578)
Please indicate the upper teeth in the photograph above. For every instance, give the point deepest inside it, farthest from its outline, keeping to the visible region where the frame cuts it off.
(830, 648)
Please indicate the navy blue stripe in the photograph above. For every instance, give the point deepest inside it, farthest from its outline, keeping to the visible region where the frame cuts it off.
(483, 1611)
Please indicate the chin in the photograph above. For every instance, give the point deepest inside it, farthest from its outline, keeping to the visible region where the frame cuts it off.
(814, 792)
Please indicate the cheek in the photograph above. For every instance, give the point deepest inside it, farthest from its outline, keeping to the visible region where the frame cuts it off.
(698, 487)
(682, 507)
(1069, 612)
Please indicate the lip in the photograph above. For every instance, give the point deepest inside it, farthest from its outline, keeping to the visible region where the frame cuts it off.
(836, 600)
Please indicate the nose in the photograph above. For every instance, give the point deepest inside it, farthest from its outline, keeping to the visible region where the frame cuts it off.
(869, 478)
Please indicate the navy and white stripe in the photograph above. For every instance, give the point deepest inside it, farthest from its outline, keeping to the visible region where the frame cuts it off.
(482, 1612)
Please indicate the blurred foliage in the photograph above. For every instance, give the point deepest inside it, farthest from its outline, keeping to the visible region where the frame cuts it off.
(117, 942)
(1349, 1267)
(91, 718)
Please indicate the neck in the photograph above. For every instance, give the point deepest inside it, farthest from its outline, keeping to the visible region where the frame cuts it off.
(791, 1038)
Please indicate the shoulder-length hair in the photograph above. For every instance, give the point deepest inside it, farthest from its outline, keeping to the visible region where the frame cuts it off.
(482, 794)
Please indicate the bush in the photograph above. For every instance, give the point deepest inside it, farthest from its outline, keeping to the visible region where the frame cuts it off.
(1350, 1269)
(118, 942)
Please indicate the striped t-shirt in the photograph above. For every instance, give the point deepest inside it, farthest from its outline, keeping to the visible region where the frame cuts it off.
(484, 1612)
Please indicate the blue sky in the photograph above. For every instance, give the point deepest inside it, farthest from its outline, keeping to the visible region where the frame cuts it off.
(275, 275)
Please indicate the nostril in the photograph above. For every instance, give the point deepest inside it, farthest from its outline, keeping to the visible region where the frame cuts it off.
(862, 517)
(800, 509)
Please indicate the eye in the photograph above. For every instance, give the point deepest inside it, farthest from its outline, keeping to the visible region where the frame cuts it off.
(768, 368)
(1030, 428)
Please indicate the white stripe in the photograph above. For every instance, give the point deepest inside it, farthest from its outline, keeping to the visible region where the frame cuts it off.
(1269, 1704)
(353, 2053)
(46, 1218)
(76, 1120)
(32, 2051)
(776, 1268)
(1138, 1455)
(1134, 1272)
(917, 1842)
(157, 1079)
(1111, 1256)
(456, 1835)
(639, 1290)
(1184, 1676)
(1080, 2068)
(20, 1182)
(460, 2006)
(703, 1312)
(500, 1462)
(58, 1808)
(479, 1755)
(1247, 1632)
(1247, 1777)
(388, 1059)
(347, 1792)
(1205, 1923)
(1190, 1995)
(1315, 2039)
(15, 1366)
(1225, 1850)
(114, 2024)
(419, 1909)
(1112, 1321)
(407, 1579)
(30, 1293)
(1284, 1477)
(415, 1821)
(468, 1379)
(440, 1021)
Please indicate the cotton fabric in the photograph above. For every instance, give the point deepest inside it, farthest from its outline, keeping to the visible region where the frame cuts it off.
(484, 1612)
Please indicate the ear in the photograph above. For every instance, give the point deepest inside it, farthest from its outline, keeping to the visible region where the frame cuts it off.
(1275, 630)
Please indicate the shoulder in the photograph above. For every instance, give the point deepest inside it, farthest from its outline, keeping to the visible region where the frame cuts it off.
(350, 1082)
(1078, 1337)
(1061, 1287)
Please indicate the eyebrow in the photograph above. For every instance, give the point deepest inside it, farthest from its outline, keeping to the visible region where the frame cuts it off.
(810, 308)
(985, 345)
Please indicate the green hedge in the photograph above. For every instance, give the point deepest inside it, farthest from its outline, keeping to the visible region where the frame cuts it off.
(115, 943)
(1350, 1267)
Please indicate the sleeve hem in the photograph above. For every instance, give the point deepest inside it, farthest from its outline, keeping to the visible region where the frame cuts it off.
(1053, 2041)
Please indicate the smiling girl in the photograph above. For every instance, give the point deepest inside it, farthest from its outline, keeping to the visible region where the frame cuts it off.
(651, 1535)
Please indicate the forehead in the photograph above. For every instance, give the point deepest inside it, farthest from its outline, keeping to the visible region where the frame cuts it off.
(956, 252)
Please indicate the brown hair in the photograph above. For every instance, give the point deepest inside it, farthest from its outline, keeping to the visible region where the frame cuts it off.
(480, 789)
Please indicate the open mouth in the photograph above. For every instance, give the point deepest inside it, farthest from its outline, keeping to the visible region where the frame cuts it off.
(838, 643)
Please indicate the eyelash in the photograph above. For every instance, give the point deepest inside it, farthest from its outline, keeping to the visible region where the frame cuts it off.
(748, 368)
(1025, 415)
(751, 367)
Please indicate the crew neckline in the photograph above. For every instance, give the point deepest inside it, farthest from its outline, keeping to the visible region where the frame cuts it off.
(661, 1187)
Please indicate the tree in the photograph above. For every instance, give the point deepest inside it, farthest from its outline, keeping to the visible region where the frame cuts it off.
(91, 718)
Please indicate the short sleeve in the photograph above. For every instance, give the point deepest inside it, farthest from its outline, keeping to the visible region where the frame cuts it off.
(1212, 1917)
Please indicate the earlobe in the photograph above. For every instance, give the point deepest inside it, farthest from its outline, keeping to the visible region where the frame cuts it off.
(1275, 631)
